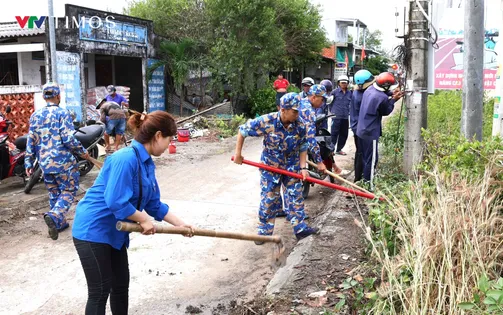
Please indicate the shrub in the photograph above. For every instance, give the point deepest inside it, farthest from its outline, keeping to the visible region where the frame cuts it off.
(263, 101)
(229, 128)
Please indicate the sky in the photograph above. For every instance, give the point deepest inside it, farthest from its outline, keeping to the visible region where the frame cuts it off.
(376, 14)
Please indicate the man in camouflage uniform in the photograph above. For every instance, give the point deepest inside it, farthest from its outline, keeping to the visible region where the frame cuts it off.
(285, 147)
(51, 141)
(315, 98)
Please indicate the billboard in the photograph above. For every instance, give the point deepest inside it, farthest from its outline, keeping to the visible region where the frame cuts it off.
(450, 52)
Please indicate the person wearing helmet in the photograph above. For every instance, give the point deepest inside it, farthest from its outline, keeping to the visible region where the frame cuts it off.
(377, 101)
(340, 108)
(363, 79)
(326, 102)
(315, 98)
(52, 143)
(284, 146)
(307, 82)
(280, 85)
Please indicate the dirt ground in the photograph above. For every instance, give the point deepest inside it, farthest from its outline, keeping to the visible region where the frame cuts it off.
(172, 274)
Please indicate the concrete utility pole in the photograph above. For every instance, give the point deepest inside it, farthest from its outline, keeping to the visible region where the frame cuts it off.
(498, 107)
(417, 80)
(52, 42)
(473, 76)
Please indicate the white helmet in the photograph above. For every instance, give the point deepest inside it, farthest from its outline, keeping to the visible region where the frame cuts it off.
(308, 81)
(343, 78)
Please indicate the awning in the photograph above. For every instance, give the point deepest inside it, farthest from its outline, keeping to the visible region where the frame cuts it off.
(14, 48)
(12, 29)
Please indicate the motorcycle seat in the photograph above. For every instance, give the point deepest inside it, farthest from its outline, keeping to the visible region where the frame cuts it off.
(20, 142)
(91, 135)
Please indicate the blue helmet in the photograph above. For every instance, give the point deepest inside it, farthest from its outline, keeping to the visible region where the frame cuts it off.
(363, 76)
(50, 90)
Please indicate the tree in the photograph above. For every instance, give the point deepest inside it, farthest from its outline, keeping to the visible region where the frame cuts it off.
(175, 19)
(303, 35)
(376, 64)
(246, 41)
(373, 40)
(179, 58)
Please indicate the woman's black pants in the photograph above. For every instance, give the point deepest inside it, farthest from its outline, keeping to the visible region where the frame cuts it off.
(107, 273)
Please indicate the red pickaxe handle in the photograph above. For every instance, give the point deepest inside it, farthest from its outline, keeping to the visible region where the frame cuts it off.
(309, 179)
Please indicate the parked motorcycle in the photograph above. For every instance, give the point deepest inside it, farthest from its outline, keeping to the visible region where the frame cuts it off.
(90, 136)
(11, 154)
(323, 138)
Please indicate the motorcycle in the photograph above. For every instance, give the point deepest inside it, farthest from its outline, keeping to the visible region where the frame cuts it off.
(90, 136)
(323, 138)
(11, 154)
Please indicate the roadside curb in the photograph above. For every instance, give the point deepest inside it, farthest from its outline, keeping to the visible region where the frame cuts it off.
(288, 274)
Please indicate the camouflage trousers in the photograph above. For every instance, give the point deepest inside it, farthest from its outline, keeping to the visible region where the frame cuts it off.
(62, 189)
(271, 203)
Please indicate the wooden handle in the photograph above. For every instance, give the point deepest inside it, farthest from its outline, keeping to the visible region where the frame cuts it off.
(164, 229)
(341, 179)
(96, 163)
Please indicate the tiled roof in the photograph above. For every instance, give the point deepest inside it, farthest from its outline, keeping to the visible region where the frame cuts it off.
(12, 29)
(329, 52)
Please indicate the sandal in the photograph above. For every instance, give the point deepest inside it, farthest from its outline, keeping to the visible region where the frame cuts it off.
(341, 153)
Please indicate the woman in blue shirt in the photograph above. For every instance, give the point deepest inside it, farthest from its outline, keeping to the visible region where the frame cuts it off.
(116, 195)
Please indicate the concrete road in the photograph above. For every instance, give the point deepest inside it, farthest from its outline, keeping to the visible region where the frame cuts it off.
(168, 272)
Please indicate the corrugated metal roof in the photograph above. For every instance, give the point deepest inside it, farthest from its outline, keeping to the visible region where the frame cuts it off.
(12, 29)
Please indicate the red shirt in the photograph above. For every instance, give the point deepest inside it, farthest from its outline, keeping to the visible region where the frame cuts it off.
(281, 84)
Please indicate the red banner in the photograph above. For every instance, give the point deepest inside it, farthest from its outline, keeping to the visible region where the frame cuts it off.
(447, 79)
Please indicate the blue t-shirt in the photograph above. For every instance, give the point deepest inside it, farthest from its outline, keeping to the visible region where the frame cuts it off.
(114, 197)
(117, 99)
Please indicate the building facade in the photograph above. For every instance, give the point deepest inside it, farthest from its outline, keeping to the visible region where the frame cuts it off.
(93, 49)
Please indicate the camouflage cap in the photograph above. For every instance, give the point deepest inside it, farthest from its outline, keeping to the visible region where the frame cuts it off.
(50, 90)
(290, 101)
(318, 90)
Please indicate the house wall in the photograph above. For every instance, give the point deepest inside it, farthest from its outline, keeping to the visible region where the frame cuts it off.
(91, 69)
(28, 68)
(324, 72)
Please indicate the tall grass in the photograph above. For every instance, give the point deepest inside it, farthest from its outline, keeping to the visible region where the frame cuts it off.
(451, 233)
(440, 235)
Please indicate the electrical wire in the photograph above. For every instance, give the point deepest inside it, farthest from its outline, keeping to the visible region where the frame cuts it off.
(434, 39)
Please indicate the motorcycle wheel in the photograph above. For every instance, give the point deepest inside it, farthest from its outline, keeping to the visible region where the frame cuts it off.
(332, 180)
(305, 189)
(34, 178)
(86, 166)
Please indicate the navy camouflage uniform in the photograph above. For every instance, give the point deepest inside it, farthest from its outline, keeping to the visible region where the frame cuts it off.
(281, 148)
(51, 141)
(308, 115)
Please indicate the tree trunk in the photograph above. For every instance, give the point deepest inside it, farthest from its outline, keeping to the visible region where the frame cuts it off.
(201, 88)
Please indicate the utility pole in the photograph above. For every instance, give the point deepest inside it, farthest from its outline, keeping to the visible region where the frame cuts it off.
(498, 107)
(52, 42)
(473, 76)
(417, 82)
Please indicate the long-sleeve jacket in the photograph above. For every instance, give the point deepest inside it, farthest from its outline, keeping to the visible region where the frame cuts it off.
(341, 103)
(308, 115)
(114, 197)
(356, 101)
(51, 140)
(375, 104)
(281, 146)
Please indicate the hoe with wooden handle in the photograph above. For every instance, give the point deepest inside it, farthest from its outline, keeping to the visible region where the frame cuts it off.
(134, 227)
(341, 179)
